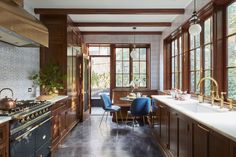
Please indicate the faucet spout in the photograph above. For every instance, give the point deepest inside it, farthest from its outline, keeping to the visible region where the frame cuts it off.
(215, 84)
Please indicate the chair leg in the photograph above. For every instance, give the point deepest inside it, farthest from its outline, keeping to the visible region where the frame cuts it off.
(126, 119)
(143, 120)
(116, 119)
(102, 118)
(133, 122)
(121, 116)
(107, 116)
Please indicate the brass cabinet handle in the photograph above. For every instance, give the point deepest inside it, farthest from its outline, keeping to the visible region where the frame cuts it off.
(203, 128)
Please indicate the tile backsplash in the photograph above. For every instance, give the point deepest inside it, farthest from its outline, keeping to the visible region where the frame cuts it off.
(16, 66)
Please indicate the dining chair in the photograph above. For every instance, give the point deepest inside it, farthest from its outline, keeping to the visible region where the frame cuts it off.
(140, 107)
(109, 107)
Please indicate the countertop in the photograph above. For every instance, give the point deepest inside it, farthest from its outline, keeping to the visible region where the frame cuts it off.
(4, 119)
(221, 122)
(57, 98)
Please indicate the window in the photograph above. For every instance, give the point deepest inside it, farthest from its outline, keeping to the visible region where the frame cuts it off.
(231, 50)
(176, 62)
(207, 55)
(128, 69)
(122, 67)
(194, 62)
(99, 49)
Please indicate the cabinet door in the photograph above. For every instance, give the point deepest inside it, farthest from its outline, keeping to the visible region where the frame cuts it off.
(164, 125)
(232, 149)
(184, 137)
(62, 121)
(173, 133)
(219, 146)
(3, 152)
(200, 140)
(55, 126)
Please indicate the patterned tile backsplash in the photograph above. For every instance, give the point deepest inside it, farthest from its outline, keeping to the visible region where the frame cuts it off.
(16, 66)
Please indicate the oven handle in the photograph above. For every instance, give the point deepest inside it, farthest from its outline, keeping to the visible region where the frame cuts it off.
(32, 129)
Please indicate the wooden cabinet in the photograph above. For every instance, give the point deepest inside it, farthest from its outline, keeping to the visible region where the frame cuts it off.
(4, 139)
(173, 133)
(181, 136)
(200, 140)
(164, 125)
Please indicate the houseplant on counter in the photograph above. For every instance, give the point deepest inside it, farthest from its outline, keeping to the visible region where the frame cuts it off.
(50, 79)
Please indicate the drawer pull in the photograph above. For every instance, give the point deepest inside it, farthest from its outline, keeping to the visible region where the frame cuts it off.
(203, 128)
(44, 137)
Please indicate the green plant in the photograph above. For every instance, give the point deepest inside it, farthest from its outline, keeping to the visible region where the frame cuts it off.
(49, 78)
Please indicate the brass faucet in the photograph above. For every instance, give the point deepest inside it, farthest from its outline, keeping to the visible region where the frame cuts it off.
(214, 93)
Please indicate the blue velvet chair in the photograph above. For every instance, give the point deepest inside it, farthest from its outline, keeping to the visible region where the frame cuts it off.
(140, 107)
(109, 107)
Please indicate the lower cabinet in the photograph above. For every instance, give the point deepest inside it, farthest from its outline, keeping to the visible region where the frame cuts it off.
(62, 122)
(4, 139)
(181, 136)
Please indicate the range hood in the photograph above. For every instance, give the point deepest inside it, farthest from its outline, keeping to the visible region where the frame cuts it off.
(20, 28)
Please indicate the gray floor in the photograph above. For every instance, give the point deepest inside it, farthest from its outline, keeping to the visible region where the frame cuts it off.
(95, 111)
(88, 140)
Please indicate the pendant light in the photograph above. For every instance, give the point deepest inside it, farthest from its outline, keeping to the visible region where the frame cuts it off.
(195, 28)
(133, 52)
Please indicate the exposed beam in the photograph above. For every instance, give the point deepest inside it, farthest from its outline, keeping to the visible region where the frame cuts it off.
(120, 33)
(122, 24)
(106, 11)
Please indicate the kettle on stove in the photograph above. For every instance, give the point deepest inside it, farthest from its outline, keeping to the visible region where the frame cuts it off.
(7, 103)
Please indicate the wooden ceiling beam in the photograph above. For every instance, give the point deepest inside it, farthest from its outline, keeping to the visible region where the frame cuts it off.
(107, 11)
(121, 24)
(120, 33)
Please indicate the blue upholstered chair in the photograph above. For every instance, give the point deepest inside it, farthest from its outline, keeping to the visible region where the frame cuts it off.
(109, 107)
(140, 107)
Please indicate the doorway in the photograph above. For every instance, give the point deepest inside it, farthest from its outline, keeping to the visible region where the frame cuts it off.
(100, 82)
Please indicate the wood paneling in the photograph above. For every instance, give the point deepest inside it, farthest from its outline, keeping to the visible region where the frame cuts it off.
(63, 11)
(121, 24)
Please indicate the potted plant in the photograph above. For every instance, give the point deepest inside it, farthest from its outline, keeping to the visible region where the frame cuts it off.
(50, 79)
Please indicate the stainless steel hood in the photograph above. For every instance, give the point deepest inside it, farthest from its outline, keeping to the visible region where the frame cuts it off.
(20, 28)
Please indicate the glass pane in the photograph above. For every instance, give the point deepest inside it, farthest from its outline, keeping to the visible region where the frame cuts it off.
(93, 50)
(180, 63)
(231, 19)
(192, 81)
(207, 31)
(176, 64)
(192, 42)
(180, 80)
(136, 77)
(197, 40)
(143, 67)
(118, 53)
(176, 80)
(232, 83)
(118, 67)
(143, 81)
(125, 53)
(173, 80)
(192, 60)
(207, 90)
(173, 64)
(143, 52)
(207, 57)
(180, 45)
(125, 67)
(104, 51)
(118, 80)
(231, 51)
(197, 80)
(176, 47)
(198, 55)
(172, 48)
(135, 67)
(126, 80)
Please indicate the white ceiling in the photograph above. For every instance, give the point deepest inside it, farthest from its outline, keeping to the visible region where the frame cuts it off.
(144, 4)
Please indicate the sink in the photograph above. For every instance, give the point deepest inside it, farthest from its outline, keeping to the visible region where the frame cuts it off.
(203, 108)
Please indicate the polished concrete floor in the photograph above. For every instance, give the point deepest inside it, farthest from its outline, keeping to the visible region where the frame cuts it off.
(89, 140)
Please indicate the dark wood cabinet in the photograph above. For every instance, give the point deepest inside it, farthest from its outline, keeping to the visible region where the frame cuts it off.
(173, 133)
(164, 125)
(181, 136)
(200, 140)
(4, 139)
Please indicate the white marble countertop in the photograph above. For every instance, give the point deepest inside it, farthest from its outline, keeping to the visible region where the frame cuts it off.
(57, 98)
(221, 122)
(4, 119)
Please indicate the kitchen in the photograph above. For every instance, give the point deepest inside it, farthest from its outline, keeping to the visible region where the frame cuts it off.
(168, 51)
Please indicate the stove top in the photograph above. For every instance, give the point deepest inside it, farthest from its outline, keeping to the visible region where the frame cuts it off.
(23, 107)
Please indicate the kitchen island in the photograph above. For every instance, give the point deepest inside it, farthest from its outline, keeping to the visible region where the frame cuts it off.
(190, 129)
